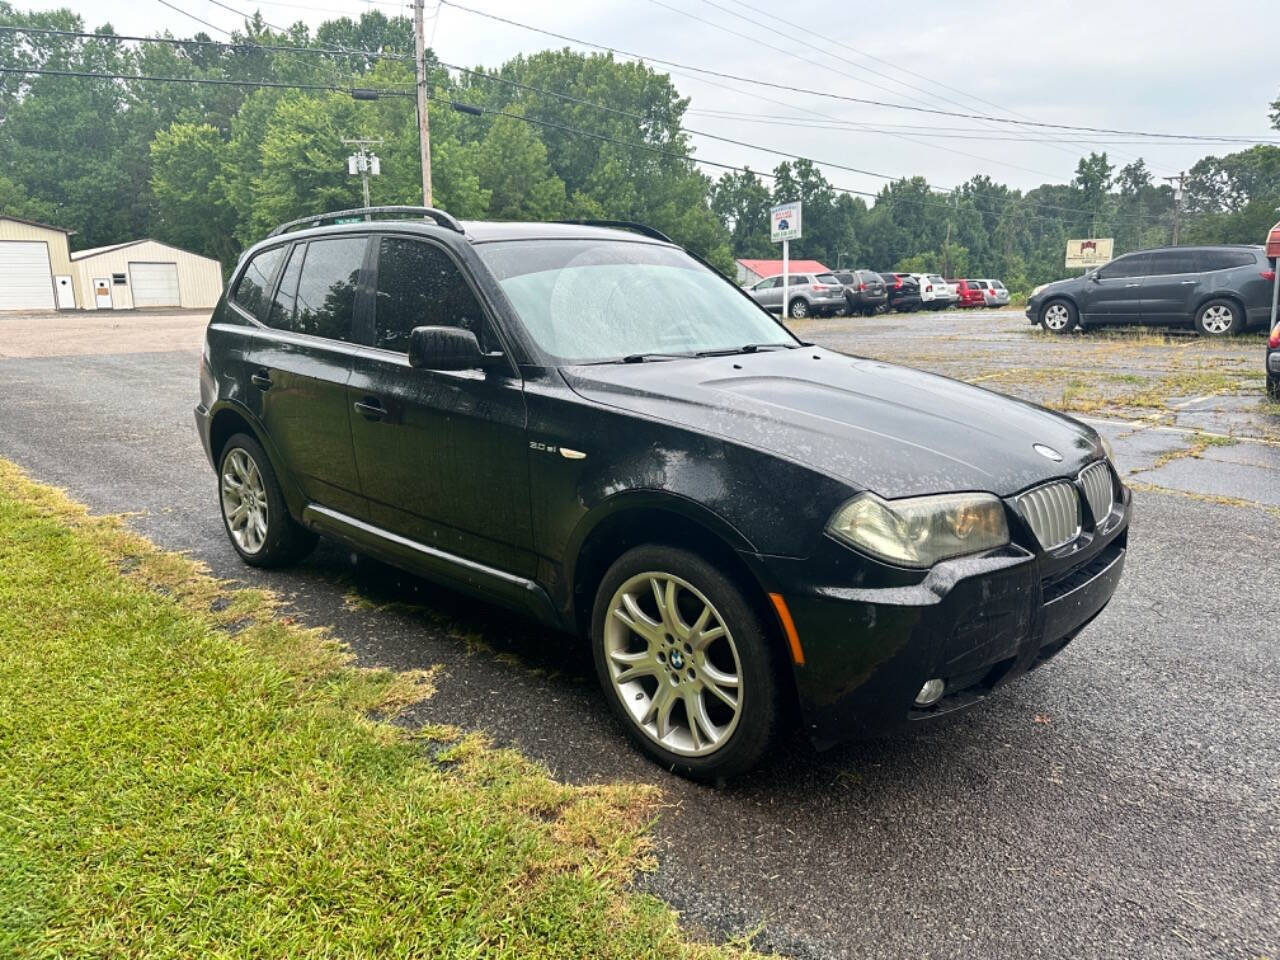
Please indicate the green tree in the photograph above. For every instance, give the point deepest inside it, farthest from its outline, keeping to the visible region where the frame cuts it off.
(193, 210)
(513, 170)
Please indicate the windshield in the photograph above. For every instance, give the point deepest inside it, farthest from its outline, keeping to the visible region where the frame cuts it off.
(827, 278)
(586, 301)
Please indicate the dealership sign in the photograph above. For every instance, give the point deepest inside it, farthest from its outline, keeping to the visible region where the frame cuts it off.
(1089, 253)
(784, 222)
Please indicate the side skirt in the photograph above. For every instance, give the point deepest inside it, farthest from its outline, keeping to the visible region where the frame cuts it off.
(488, 583)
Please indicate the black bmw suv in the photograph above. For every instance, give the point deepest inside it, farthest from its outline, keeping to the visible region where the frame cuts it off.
(587, 424)
(1218, 290)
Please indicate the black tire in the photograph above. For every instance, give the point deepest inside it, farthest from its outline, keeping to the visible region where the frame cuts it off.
(1211, 318)
(755, 730)
(1052, 313)
(1273, 387)
(798, 309)
(286, 541)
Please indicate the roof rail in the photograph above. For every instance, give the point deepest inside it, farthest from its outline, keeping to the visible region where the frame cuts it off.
(641, 228)
(368, 213)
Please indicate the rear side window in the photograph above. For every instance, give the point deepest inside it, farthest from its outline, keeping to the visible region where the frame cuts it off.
(1173, 261)
(254, 284)
(420, 286)
(327, 284)
(1224, 259)
(285, 302)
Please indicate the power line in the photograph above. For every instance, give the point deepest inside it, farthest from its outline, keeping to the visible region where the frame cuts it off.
(359, 93)
(822, 93)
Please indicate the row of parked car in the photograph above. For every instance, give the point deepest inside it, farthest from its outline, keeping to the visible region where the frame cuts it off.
(867, 292)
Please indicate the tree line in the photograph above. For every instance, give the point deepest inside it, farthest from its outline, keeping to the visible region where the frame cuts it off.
(555, 134)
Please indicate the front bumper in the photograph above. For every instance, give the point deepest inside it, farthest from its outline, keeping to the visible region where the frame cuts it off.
(976, 622)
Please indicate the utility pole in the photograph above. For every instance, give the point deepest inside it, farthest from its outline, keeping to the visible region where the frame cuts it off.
(424, 125)
(1177, 201)
(364, 163)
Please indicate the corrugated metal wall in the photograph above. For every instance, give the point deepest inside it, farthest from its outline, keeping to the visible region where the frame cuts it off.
(199, 278)
(59, 256)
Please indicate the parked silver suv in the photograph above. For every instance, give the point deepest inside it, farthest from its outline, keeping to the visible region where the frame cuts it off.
(816, 294)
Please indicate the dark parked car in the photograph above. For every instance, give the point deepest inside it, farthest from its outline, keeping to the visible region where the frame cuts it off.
(588, 425)
(1218, 290)
(903, 291)
(864, 291)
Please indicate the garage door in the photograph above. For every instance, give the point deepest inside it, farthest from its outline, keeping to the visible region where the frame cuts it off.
(154, 284)
(26, 281)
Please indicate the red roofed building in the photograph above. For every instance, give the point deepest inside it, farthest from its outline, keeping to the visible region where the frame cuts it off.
(749, 271)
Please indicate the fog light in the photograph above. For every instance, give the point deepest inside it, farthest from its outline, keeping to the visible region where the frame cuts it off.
(930, 693)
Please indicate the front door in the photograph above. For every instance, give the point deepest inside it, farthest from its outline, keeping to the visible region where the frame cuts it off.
(299, 368)
(443, 455)
(769, 293)
(102, 292)
(1169, 290)
(1113, 293)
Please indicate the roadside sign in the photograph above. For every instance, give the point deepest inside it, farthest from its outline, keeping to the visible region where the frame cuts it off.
(784, 222)
(1093, 252)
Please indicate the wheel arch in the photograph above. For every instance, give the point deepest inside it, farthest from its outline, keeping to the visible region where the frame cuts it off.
(1228, 295)
(229, 418)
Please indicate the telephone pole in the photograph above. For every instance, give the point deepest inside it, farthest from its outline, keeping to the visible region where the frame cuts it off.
(424, 125)
(364, 163)
(1177, 201)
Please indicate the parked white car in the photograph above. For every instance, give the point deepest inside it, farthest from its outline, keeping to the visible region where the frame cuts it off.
(935, 292)
(994, 293)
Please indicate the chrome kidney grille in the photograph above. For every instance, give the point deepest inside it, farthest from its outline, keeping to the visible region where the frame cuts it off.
(1099, 489)
(1052, 512)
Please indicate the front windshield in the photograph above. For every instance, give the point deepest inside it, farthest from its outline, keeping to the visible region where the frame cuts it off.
(586, 301)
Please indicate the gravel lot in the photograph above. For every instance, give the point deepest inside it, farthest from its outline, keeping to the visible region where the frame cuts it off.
(1122, 802)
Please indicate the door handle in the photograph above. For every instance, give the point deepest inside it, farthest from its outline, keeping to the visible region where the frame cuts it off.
(260, 379)
(370, 408)
(1189, 283)
(1133, 284)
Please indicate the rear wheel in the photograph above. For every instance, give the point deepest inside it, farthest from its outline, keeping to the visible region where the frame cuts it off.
(799, 309)
(1273, 387)
(253, 508)
(1219, 318)
(1059, 316)
(685, 664)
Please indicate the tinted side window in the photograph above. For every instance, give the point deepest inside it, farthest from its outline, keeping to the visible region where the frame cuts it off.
(327, 287)
(1172, 261)
(1224, 259)
(283, 306)
(254, 284)
(1134, 265)
(419, 286)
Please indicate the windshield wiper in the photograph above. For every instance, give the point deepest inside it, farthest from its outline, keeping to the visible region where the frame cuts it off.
(746, 348)
(646, 357)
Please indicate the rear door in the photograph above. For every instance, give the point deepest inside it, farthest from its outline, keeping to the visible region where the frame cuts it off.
(1169, 290)
(1113, 293)
(297, 367)
(443, 456)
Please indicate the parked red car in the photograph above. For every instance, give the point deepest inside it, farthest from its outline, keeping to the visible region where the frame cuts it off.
(971, 294)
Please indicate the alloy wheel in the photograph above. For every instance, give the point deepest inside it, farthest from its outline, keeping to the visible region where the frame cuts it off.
(673, 663)
(1056, 317)
(1217, 319)
(244, 500)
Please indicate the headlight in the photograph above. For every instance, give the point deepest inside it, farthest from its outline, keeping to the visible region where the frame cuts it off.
(920, 531)
(1038, 289)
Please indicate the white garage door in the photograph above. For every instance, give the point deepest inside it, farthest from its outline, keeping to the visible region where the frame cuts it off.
(154, 284)
(26, 281)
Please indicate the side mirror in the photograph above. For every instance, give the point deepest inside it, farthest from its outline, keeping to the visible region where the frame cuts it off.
(447, 348)
(1094, 276)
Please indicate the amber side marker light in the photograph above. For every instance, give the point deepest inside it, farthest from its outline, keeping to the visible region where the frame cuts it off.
(789, 628)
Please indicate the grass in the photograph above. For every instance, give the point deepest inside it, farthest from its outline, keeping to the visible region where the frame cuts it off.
(186, 772)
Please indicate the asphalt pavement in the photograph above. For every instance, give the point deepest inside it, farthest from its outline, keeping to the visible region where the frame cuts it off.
(1124, 801)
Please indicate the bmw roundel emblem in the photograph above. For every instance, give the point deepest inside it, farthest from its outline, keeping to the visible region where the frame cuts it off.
(1046, 451)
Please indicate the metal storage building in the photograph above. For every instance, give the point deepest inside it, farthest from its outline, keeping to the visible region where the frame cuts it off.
(147, 273)
(36, 272)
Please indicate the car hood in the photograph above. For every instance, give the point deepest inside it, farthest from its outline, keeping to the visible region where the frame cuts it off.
(880, 427)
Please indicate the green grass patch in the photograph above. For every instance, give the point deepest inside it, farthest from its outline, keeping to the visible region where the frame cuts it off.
(185, 772)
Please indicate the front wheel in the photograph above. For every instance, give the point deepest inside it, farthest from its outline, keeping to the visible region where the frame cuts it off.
(685, 663)
(253, 508)
(1059, 316)
(1219, 318)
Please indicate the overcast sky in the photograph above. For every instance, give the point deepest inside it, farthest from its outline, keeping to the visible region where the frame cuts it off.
(1128, 64)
